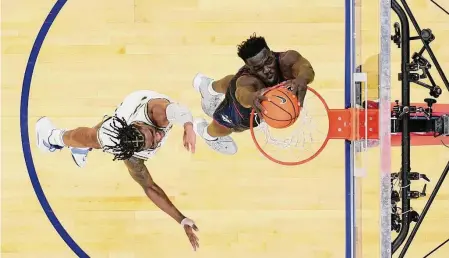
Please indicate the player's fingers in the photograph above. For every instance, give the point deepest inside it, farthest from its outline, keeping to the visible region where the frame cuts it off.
(294, 89)
(257, 110)
(189, 147)
(196, 240)
(195, 227)
(197, 244)
(289, 86)
(193, 241)
(259, 107)
(302, 95)
(262, 98)
(192, 147)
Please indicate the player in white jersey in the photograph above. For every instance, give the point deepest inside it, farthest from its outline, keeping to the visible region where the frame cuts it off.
(139, 127)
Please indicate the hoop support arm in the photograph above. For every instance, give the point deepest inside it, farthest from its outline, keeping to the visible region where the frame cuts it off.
(350, 124)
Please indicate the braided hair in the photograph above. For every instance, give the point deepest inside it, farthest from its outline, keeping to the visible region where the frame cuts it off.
(127, 139)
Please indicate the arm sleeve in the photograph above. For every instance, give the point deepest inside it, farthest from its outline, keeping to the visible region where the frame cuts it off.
(177, 113)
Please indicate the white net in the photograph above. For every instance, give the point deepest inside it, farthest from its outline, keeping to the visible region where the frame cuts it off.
(300, 141)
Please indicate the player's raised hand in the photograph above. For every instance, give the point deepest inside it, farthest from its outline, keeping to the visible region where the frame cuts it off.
(299, 87)
(189, 138)
(189, 228)
(258, 98)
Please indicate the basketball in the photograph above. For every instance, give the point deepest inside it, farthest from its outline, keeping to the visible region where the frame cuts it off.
(282, 107)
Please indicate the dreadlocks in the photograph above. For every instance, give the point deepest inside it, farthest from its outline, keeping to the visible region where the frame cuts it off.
(127, 139)
(251, 47)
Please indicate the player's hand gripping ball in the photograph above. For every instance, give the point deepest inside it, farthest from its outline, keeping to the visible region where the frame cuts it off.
(281, 107)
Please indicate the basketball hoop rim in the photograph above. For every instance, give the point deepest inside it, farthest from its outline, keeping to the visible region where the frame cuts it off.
(293, 163)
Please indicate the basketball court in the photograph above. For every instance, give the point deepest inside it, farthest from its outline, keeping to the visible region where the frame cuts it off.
(97, 52)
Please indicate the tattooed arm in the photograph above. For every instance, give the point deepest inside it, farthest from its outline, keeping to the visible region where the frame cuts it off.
(140, 174)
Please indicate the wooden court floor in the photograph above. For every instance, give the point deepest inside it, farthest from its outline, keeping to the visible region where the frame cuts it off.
(96, 52)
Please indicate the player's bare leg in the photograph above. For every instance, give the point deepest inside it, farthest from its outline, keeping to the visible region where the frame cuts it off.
(212, 91)
(73, 137)
(80, 140)
(216, 136)
(222, 85)
(214, 129)
(81, 137)
(51, 138)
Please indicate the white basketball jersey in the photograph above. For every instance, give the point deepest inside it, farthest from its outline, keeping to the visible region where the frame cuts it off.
(134, 108)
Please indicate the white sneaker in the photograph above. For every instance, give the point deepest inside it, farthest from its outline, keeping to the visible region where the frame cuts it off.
(224, 145)
(209, 102)
(43, 129)
(79, 155)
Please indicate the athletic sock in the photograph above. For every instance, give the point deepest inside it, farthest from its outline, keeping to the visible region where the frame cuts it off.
(55, 137)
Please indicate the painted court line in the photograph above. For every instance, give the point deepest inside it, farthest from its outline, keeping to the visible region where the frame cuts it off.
(25, 132)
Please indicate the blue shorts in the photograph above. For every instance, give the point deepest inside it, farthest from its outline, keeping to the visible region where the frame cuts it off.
(231, 115)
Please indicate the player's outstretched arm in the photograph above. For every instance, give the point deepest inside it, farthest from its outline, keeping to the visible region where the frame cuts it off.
(81, 137)
(140, 174)
(297, 67)
(248, 94)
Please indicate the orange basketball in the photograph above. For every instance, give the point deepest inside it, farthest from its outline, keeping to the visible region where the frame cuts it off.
(282, 107)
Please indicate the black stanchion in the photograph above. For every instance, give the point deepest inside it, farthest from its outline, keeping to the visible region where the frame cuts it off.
(408, 74)
(405, 169)
(424, 211)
